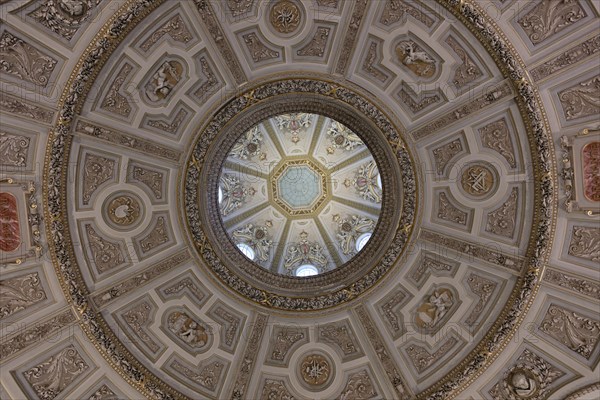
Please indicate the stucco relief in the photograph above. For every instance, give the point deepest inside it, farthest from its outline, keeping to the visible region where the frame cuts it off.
(416, 59)
(467, 71)
(115, 101)
(106, 254)
(163, 81)
(259, 52)
(275, 390)
(19, 293)
(435, 308)
(175, 28)
(138, 318)
(317, 45)
(423, 359)
(572, 329)
(443, 154)
(24, 61)
(188, 330)
(503, 220)
(581, 100)
(548, 18)
(529, 377)
(496, 136)
(359, 386)
(585, 243)
(341, 336)
(365, 182)
(394, 12)
(591, 171)
(284, 340)
(55, 374)
(96, 171)
(64, 17)
(10, 225)
(14, 149)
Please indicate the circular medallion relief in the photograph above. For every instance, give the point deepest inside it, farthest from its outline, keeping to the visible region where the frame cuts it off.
(316, 371)
(479, 180)
(297, 187)
(285, 16)
(123, 210)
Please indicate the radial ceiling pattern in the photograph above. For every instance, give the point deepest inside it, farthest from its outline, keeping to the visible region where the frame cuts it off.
(148, 147)
(300, 193)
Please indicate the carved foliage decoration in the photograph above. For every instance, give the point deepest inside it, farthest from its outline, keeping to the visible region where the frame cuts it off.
(572, 329)
(257, 237)
(358, 387)
(467, 71)
(550, 17)
(10, 226)
(591, 171)
(23, 61)
(496, 136)
(283, 340)
(14, 149)
(581, 100)
(318, 43)
(483, 288)
(52, 376)
(64, 17)
(341, 336)
(502, 221)
(106, 254)
(443, 154)
(585, 243)
(305, 252)
(448, 212)
(275, 390)
(114, 101)
(96, 171)
(19, 293)
(349, 229)
(175, 28)
(258, 50)
(422, 359)
(139, 318)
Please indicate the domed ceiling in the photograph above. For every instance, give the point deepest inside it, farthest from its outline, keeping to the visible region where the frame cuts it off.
(300, 194)
(299, 199)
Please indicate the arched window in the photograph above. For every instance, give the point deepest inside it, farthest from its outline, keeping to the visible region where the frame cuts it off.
(246, 250)
(362, 240)
(220, 195)
(306, 270)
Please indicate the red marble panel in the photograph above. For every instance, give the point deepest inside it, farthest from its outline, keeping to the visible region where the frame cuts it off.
(591, 171)
(10, 232)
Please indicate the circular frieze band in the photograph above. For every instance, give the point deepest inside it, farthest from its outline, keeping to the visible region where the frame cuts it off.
(389, 237)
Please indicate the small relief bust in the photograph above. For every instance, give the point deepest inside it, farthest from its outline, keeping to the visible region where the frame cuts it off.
(523, 384)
